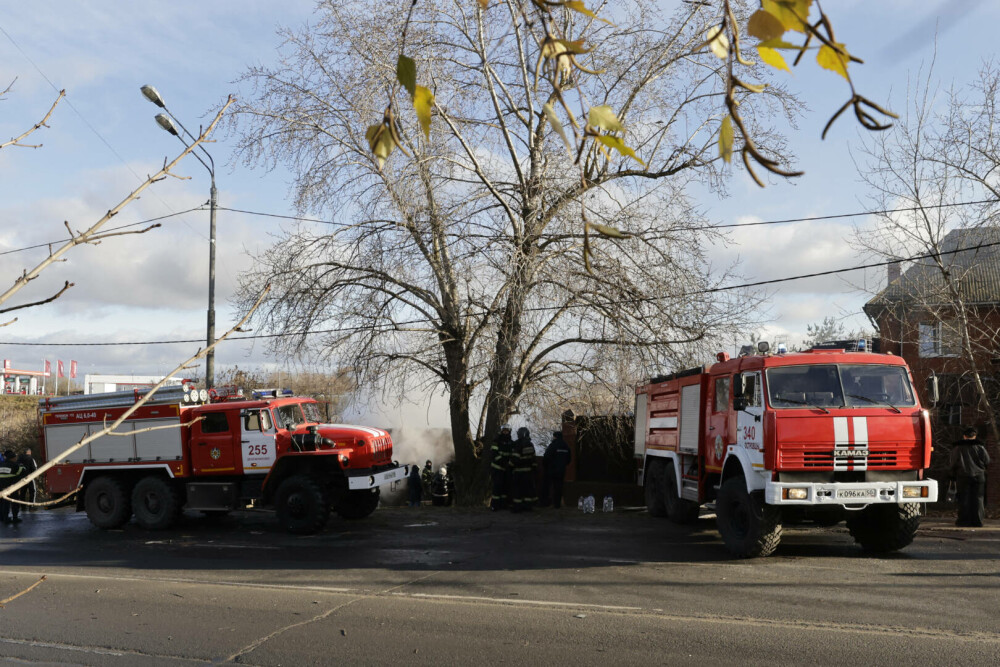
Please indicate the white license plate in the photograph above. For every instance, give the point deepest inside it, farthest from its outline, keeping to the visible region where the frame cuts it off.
(857, 494)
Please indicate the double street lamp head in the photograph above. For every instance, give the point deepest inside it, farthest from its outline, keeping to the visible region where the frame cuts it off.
(162, 119)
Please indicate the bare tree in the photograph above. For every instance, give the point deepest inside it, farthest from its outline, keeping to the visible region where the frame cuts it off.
(457, 264)
(943, 154)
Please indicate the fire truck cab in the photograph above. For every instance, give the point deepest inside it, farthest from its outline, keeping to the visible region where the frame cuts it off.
(817, 436)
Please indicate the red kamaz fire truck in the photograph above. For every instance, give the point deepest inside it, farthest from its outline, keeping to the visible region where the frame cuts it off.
(177, 453)
(822, 435)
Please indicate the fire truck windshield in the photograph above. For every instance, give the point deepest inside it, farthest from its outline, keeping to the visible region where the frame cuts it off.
(311, 411)
(288, 416)
(838, 385)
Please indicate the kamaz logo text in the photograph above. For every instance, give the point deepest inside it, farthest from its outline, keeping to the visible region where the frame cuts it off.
(850, 452)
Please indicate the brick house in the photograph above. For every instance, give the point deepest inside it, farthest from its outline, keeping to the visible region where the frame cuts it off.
(915, 316)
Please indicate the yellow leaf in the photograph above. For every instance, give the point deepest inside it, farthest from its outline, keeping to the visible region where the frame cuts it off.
(550, 113)
(833, 60)
(552, 48)
(604, 117)
(406, 73)
(726, 139)
(574, 46)
(764, 26)
(619, 145)
(772, 58)
(380, 141)
(607, 230)
(423, 102)
(780, 44)
(484, 3)
(578, 6)
(791, 13)
(717, 40)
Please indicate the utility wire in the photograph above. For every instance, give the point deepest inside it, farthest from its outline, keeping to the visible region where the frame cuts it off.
(395, 326)
(680, 229)
(694, 228)
(105, 230)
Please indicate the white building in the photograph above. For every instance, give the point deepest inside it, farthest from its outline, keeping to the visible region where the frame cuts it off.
(101, 384)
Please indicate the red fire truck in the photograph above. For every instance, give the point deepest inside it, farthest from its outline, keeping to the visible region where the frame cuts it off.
(177, 452)
(818, 436)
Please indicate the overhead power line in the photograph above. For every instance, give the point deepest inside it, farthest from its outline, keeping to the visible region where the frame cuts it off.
(676, 229)
(394, 327)
(693, 228)
(105, 230)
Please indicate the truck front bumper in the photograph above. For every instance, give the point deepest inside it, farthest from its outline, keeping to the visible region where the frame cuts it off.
(370, 481)
(849, 493)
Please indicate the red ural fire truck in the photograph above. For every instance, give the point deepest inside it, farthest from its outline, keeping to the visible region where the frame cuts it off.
(823, 435)
(176, 453)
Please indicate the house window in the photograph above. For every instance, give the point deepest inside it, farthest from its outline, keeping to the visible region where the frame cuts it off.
(937, 340)
(951, 414)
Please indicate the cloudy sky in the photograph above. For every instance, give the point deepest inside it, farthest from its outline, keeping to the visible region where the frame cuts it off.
(102, 142)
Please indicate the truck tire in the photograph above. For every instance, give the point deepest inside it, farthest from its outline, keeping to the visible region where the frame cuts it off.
(680, 510)
(359, 504)
(655, 504)
(303, 505)
(155, 503)
(749, 527)
(885, 528)
(107, 502)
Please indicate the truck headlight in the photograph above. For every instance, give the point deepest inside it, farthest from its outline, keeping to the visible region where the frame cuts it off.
(795, 494)
(914, 491)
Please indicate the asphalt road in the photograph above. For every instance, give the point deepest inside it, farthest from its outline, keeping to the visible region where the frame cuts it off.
(446, 586)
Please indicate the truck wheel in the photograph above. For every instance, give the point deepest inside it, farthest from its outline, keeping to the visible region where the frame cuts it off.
(359, 504)
(654, 488)
(680, 510)
(155, 503)
(749, 527)
(107, 503)
(303, 505)
(884, 528)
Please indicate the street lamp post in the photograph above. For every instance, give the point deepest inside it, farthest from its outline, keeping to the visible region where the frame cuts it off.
(166, 121)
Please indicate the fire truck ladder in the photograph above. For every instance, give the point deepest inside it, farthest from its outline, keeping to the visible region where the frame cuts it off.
(115, 399)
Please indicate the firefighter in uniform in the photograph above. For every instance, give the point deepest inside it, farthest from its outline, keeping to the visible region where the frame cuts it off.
(28, 461)
(523, 465)
(500, 467)
(427, 480)
(10, 472)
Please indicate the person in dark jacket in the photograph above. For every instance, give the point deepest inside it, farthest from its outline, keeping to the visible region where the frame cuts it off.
(414, 486)
(30, 466)
(968, 460)
(523, 466)
(500, 468)
(557, 457)
(10, 472)
(427, 479)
